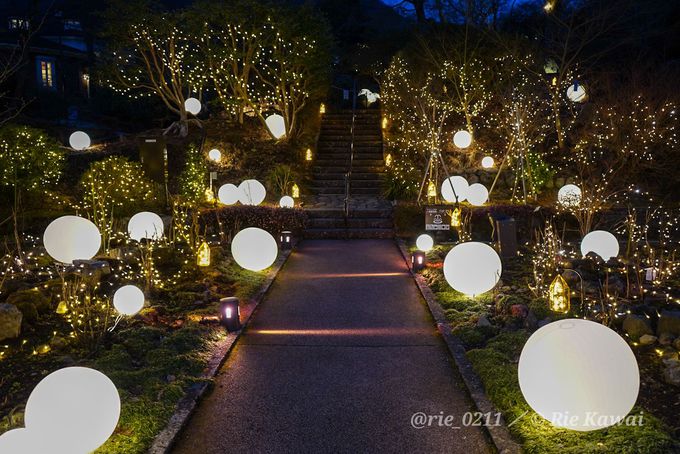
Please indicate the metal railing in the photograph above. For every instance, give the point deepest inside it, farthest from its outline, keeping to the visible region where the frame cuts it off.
(348, 175)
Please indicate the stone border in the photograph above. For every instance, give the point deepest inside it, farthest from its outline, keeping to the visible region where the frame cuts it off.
(164, 441)
(500, 435)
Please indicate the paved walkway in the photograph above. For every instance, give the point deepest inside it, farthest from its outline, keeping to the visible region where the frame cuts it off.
(337, 358)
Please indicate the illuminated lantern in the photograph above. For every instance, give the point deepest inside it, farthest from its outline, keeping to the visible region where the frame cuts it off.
(75, 408)
(579, 375)
(453, 187)
(487, 162)
(70, 238)
(228, 194)
(559, 295)
(472, 268)
(62, 307)
(388, 160)
(286, 240)
(192, 105)
(576, 93)
(254, 249)
(569, 195)
(456, 217)
(128, 300)
(286, 202)
(251, 192)
(431, 189)
(551, 67)
(295, 191)
(477, 194)
(462, 139)
(308, 154)
(601, 243)
(215, 155)
(203, 255)
(209, 195)
(418, 260)
(79, 140)
(230, 314)
(145, 225)
(276, 125)
(424, 242)
(384, 123)
(322, 108)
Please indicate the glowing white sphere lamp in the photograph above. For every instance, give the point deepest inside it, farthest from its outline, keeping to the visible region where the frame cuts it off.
(192, 105)
(579, 375)
(251, 192)
(576, 93)
(128, 300)
(145, 225)
(228, 194)
(459, 185)
(23, 441)
(215, 155)
(79, 140)
(70, 238)
(472, 268)
(569, 195)
(488, 162)
(477, 194)
(601, 243)
(74, 407)
(424, 242)
(286, 202)
(276, 125)
(254, 249)
(462, 139)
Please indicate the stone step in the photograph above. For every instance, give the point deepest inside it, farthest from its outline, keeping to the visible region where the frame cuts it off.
(349, 233)
(341, 176)
(346, 155)
(352, 223)
(340, 190)
(340, 183)
(358, 138)
(345, 141)
(357, 214)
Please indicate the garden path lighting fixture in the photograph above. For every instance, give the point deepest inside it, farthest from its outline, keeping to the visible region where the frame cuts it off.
(230, 314)
(286, 240)
(418, 260)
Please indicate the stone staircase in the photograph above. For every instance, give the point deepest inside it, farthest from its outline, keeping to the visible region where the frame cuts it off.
(370, 216)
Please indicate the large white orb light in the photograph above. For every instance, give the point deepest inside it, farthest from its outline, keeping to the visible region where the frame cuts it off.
(251, 192)
(23, 441)
(215, 155)
(128, 300)
(462, 139)
(579, 375)
(472, 268)
(424, 242)
(487, 162)
(602, 243)
(145, 225)
(477, 194)
(276, 125)
(70, 238)
(192, 105)
(569, 195)
(74, 407)
(79, 140)
(460, 186)
(576, 93)
(286, 202)
(254, 249)
(228, 194)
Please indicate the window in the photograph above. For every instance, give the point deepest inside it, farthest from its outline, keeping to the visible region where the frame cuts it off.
(70, 24)
(46, 73)
(18, 23)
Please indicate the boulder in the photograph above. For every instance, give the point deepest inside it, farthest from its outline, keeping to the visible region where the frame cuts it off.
(483, 321)
(10, 321)
(544, 322)
(671, 375)
(676, 343)
(647, 339)
(637, 326)
(669, 322)
(666, 339)
(519, 310)
(531, 322)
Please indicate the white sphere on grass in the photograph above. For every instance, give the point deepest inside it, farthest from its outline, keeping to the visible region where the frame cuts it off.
(254, 249)
(601, 243)
(579, 375)
(24, 441)
(251, 192)
(488, 162)
(286, 202)
(228, 194)
(472, 268)
(576, 93)
(193, 106)
(276, 125)
(128, 300)
(424, 242)
(477, 194)
(569, 195)
(79, 140)
(70, 238)
(462, 139)
(455, 186)
(215, 155)
(146, 225)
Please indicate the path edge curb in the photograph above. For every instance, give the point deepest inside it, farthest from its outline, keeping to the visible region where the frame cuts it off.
(165, 439)
(500, 435)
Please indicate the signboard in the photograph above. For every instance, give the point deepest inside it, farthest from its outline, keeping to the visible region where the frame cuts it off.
(437, 218)
(153, 155)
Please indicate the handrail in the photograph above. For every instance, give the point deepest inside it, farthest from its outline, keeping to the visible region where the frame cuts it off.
(348, 175)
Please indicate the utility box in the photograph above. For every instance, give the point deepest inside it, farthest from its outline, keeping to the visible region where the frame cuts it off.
(506, 234)
(230, 314)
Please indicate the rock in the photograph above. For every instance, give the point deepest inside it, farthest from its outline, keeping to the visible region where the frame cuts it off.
(666, 339)
(647, 339)
(531, 322)
(58, 343)
(669, 322)
(637, 326)
(483, 321)
(10, 321)
(671, 361)
(544, 322)
(519, 310)
(671, 375)
(676, 343)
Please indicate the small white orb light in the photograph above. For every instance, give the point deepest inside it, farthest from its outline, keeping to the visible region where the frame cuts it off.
(462, 139)
(488, 162)
(276, 125)
(215, 155)
(472, 268)
(145, 225)
(70, 238)
(79, 140)
(128, 300)
(579, 375)
(569, 195)
(601, 243)
(254, 249)
(286, 202)
(424, 242)
(477, 194)
(251, 192)
(455, 186)
(576, 93)
(75, 408)
(193, 106)
(228, 194)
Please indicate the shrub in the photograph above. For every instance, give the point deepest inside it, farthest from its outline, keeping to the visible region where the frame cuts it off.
(192, 181)
(230, 220)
